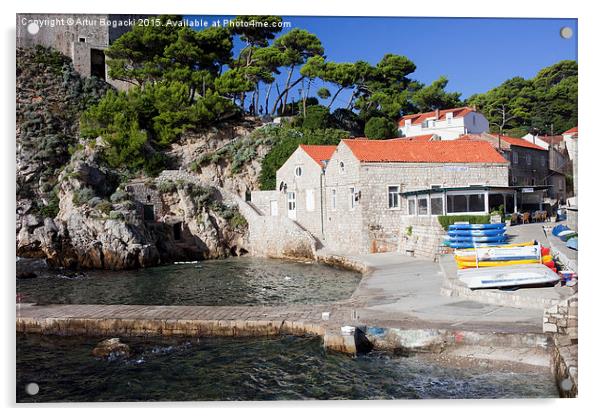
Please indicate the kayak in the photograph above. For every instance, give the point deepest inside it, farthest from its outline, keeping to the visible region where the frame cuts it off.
(476, 233)
(526, 243)
(559, 228)
(503, 253)
(462, 264)
(568, 236)
(468, 244)
(476, 226)
(572, 243)
(520, 275)
(485, 239)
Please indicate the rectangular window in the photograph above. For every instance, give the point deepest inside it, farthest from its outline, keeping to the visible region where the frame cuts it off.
(515, 158)
(457, 203)
(529, 160)
(543, 161)
(476, 203)
(393, 193)
(437, 205)
(352, 197)
(333, 200)
(412, 206)
(309, 200)
(423, 206)
(448, 117)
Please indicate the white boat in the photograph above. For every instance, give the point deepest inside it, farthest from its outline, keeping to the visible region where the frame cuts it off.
(500, 253)
(507, 276)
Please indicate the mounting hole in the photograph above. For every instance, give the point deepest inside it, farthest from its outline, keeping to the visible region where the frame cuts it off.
(32, 389)
(566, 32)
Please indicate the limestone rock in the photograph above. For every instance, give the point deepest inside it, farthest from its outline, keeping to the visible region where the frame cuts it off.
(111, 348)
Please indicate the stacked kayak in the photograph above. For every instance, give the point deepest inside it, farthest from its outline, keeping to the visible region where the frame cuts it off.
(507, 255)
(510, 276)
(475, 235)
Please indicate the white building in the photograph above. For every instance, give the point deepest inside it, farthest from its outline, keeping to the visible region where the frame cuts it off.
(447, 124)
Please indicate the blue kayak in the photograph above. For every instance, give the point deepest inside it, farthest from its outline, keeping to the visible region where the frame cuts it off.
(467, 244)
(476, 226)
(558, 229)
(485, 239)
(572, 243)
(477, 233)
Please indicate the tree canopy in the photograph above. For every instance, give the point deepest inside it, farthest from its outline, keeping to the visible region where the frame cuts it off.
(545, 104)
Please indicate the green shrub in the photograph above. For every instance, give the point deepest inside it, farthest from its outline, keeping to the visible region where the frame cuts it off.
(167, 187)
(316, 117)
(104, 207)
(119, 195)
(116, 215)
(82, 196)
(447, 220)
(380, 128)
(238, 221)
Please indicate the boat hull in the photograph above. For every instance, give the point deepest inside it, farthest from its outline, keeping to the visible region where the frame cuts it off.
(520, 275)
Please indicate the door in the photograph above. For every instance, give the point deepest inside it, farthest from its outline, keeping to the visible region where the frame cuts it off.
(292, 205)
(274, 208)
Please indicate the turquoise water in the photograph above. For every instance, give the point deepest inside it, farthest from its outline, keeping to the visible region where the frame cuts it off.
(234, 281)
(278, 368)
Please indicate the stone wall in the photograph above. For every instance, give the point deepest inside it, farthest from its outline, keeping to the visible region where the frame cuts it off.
(307, 188)
(421, 236)
(146, 194)
(342, 224)
(262, 200)
(275, 236)
(561, 319)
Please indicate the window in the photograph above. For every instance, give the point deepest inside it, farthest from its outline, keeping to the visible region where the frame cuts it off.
(529, 160)
(423, 206)
(474, 119)
(292, 203)
(408, 123)
(309, 200)
(393, 193)
(476, 203)
(436, 186)
(436, 205)
(82, 39)
(342, 167)
(457, 203)
(515, 158)
(412, 206)
(333, 199)
(543, 161)
(352, 197)
(298, 171)
(448, 117)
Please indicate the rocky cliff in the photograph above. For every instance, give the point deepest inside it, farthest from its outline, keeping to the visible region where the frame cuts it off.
(76, 212)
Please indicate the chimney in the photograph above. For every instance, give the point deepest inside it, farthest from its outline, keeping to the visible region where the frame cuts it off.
(436, 114)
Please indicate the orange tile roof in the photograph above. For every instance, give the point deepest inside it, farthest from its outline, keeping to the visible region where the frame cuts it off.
(420, 138)
(319, 153)
(408, 151)
(514, 141)
(551, 139)
(571, 131)
(420, 117)
(492, 138)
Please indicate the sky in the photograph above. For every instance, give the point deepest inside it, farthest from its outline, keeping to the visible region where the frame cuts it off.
(475, 54)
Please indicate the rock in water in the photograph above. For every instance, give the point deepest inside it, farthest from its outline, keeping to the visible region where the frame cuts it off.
(111, 347)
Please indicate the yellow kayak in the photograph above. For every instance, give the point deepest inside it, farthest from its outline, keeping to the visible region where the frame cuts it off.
(469, 264)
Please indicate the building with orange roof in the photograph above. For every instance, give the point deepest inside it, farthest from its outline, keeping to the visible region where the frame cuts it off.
(448, 124)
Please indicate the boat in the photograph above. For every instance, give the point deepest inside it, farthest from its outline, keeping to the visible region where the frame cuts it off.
(484, 239)
(558, 229)
(572, 243)
(476, 226)
(519, 275)
(566, 236)
(533, 252)
(468, 244)
(523, 244)
(476, 233)
(546, 260)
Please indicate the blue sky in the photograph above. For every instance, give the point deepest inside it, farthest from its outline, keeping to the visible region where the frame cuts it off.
(474, 54)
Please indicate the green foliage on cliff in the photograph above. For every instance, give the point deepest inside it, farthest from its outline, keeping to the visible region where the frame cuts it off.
(380, 128)
(545, 104)
(286, 141)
